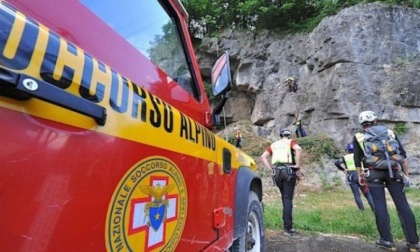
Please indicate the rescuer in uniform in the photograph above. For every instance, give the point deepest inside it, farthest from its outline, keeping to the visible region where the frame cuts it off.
(286, 160)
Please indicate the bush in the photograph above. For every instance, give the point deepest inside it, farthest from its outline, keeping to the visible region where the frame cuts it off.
(400, 128)
(317, 146)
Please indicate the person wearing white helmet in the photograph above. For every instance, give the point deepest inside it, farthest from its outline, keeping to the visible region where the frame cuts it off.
(394, 179)
(367, 118)
(286, 161)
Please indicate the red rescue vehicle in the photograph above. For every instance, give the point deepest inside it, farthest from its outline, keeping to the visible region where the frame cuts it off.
(106, 140)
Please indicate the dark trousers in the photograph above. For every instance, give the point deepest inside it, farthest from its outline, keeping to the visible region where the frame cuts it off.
(299, 131)
(356, 188)
(238, 142)
(377, 181)
(287, 184)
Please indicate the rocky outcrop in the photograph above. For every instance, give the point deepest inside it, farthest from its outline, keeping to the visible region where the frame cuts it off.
(367, 57)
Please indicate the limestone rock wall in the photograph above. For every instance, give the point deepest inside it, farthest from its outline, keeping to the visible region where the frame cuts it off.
(367, 57)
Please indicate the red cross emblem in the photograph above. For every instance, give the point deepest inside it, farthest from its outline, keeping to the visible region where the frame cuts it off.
(152, 213)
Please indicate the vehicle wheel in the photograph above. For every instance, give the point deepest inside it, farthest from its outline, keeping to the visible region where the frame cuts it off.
(254, 238)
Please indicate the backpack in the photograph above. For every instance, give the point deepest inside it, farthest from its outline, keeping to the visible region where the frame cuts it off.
(381, 148)
(303, 132)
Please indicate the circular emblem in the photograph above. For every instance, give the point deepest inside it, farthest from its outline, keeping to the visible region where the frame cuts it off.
(148, 209)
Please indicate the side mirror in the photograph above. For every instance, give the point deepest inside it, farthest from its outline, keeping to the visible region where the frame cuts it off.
(221, 79)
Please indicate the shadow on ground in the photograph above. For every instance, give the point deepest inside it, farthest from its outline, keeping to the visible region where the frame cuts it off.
(276, 242)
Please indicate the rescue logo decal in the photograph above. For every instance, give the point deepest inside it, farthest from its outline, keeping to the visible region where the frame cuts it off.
(148, 209)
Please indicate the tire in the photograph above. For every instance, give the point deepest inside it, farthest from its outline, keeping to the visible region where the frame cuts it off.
(253, 240)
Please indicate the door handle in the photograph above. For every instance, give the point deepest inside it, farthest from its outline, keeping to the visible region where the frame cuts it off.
(21, 87)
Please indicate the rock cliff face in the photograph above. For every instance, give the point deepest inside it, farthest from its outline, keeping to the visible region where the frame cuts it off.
(367, 57)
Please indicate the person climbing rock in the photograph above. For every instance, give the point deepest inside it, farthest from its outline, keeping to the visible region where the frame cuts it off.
(291, 83)
(299, 131)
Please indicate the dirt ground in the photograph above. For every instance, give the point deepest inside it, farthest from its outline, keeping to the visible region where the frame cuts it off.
(276, 242)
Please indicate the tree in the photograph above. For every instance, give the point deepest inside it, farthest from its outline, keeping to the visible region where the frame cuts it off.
(208, 17)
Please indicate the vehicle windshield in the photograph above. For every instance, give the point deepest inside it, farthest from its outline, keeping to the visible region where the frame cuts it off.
(154, 33)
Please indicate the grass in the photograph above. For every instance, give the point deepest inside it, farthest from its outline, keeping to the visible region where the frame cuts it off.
(335, 212)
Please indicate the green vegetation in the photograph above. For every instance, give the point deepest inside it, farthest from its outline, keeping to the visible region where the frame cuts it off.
(209, 91)
(207, 18)
(400, 128)
(316, 147)
(403, 61)
(334, 211)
